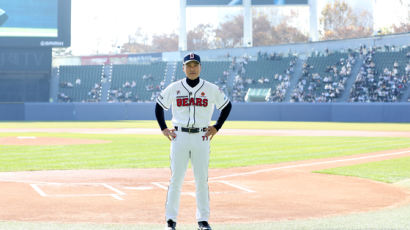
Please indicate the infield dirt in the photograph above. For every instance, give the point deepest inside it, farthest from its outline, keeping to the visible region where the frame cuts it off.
(246, 194)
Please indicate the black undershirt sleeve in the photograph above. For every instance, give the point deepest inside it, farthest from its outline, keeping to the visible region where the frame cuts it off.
(159, 114)
(223, 116)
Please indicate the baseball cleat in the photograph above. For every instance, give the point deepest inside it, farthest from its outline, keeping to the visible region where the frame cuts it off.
(170, 225)
(203, 225)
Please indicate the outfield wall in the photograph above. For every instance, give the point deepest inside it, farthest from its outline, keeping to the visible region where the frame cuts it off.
(338, 112)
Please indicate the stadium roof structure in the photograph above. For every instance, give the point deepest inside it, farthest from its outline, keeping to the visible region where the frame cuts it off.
(247, 15)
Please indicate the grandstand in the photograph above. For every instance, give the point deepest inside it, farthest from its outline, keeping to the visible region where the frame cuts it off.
(80, 83)
(339, 71)
(383, 77)
(369, 75)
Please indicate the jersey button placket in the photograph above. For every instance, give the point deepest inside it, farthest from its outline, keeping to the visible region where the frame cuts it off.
(191, 112)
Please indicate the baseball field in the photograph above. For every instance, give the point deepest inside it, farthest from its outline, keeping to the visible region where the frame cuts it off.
(263, 175)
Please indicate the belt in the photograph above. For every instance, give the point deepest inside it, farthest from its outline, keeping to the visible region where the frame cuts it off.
(190, 130)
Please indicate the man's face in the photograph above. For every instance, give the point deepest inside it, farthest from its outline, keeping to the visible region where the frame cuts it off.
(192, 70)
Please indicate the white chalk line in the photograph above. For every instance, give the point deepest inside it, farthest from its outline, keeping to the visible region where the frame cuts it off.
(315, 149)
(236, 186)
(307, 165)
(403, 182)
(26, 137)
(114, 189)
(116, 195)
(140, 188)
(38, 190)
(160, 185)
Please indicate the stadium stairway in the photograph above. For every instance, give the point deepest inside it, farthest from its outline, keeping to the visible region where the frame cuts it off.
(231, 78)
(106, 83)
(406, 95)
(295, 78)
(351, 80)
(54, 85)
(170, 73)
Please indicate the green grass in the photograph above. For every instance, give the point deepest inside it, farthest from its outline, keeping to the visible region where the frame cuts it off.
(79, 124)
(234, 151)
(318, 125)
(124, 151)
(152, 151)
(390, 171)
(227, 125)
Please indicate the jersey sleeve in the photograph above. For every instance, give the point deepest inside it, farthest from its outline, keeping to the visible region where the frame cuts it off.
(164, 99)
(220, 99)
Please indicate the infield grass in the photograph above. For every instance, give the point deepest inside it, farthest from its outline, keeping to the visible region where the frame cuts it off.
(390, 171)
(152, 151)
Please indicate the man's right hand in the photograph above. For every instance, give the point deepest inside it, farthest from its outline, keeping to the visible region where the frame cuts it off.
(170, 134)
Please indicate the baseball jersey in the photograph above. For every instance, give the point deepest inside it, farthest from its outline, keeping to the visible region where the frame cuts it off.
(192, 107)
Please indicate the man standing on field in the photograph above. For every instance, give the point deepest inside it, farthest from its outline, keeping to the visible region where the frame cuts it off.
(192, 100)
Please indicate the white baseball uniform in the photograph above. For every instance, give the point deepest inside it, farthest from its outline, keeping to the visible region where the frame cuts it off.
(191, 108)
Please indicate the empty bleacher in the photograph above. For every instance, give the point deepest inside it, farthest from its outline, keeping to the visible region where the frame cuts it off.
(212, 71)
(79, 83)
(136, 82)
(263, 68)
(264, 73)
(386, 59)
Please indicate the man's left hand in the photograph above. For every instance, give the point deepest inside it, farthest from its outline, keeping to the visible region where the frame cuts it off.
(211, 131)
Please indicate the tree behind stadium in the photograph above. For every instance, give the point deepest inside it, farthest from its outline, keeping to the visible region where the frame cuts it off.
(339, 21)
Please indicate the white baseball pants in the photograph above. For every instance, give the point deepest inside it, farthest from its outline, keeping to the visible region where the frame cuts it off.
(185, 146)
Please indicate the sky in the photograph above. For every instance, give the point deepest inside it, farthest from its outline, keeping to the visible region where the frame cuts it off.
(98, 24)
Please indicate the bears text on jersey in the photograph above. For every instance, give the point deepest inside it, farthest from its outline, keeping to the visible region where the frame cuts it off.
(192, 101)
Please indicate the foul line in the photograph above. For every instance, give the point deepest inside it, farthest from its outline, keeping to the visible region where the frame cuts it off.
(307, 164)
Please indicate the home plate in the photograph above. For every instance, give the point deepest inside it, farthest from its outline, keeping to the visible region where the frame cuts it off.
(139, 188)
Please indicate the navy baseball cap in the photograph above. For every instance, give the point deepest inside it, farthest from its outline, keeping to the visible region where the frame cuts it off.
(192, 57)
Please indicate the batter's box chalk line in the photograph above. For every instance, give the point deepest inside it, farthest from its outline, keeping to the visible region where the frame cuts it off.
(114, 193)
(164, 186)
